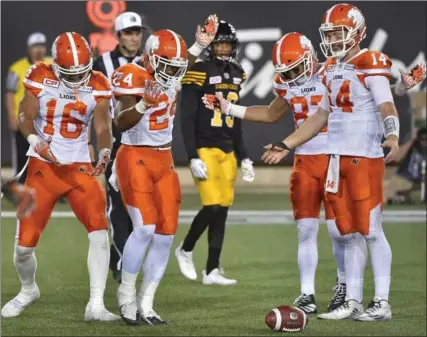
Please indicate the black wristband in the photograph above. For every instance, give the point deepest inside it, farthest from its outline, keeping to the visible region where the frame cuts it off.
(281, 145)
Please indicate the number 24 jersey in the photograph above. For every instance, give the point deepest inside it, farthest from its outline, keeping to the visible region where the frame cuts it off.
(156, 125)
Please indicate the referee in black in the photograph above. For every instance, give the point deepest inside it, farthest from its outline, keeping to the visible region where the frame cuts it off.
(129, 30)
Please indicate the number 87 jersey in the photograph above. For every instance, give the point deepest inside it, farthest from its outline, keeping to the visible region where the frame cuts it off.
(354, 124)
(304, 101)
(156, 125)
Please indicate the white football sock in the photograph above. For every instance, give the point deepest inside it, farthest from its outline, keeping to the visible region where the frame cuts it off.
(98, 260)
(26, 266)
(135, 247)
(355, 256)
(154, 268)
(307, 253)
(127, 291)
(380, 254)
(338, 248)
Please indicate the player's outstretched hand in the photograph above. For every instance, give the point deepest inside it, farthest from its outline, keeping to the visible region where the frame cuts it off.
(103, 161)
(274, 154)
(217, 101)
(205, 34)
(393, 145)
(153, 93)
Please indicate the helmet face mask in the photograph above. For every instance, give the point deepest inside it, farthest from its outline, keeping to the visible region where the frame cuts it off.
(165, 56)
(168, 72)
(294, 60)
(73, 78)
(298, 73)
(343, 28)
(336, 41)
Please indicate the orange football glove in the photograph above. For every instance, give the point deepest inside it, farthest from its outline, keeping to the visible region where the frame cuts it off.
(415, 76)
(217, 101)
(103, 161)
(42, 148)
(206, 34)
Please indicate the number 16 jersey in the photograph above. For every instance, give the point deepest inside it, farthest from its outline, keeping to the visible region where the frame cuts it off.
(64, 116)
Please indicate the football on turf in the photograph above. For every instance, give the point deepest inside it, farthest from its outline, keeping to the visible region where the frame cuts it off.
(286, 318)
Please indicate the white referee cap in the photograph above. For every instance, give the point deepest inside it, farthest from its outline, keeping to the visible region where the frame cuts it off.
(127, 21)
(36, 38)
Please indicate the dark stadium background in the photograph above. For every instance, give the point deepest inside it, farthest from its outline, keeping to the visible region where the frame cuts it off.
(399, 29)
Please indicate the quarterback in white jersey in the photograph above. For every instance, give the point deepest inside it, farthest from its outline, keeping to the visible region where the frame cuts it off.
(359, 112)
(144, 166)
(299, 87)
(58, 103)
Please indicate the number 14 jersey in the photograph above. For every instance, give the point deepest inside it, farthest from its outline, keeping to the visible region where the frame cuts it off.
(354, 124)
(64, 116)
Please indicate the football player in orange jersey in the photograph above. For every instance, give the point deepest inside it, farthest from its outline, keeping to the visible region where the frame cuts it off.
(299, 89)
(359, 111)
(299, 86)
(146, 177)
(58, 103)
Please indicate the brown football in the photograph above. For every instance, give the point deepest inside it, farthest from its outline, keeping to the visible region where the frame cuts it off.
(286, 318)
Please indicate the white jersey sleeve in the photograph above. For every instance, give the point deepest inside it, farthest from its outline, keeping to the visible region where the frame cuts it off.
(380, 89)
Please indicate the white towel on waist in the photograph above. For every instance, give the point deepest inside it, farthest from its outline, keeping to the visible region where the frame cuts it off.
(333, 176)
(113, 178)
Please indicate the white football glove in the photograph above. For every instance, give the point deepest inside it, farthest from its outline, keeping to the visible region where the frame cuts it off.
(248, 172)
(199, 169)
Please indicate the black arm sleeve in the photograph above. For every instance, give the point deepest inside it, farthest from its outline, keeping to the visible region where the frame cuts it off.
(190, 99)
(98, 65)
(238, 143)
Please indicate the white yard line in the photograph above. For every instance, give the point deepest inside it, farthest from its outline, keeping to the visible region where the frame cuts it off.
(265, 217)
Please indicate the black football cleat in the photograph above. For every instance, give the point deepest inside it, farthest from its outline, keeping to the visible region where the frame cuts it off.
(129, 315)
(153, 319)
(306, 303)
(339, 297)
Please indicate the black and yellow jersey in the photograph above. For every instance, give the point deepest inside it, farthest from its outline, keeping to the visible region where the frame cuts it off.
(204, 128)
